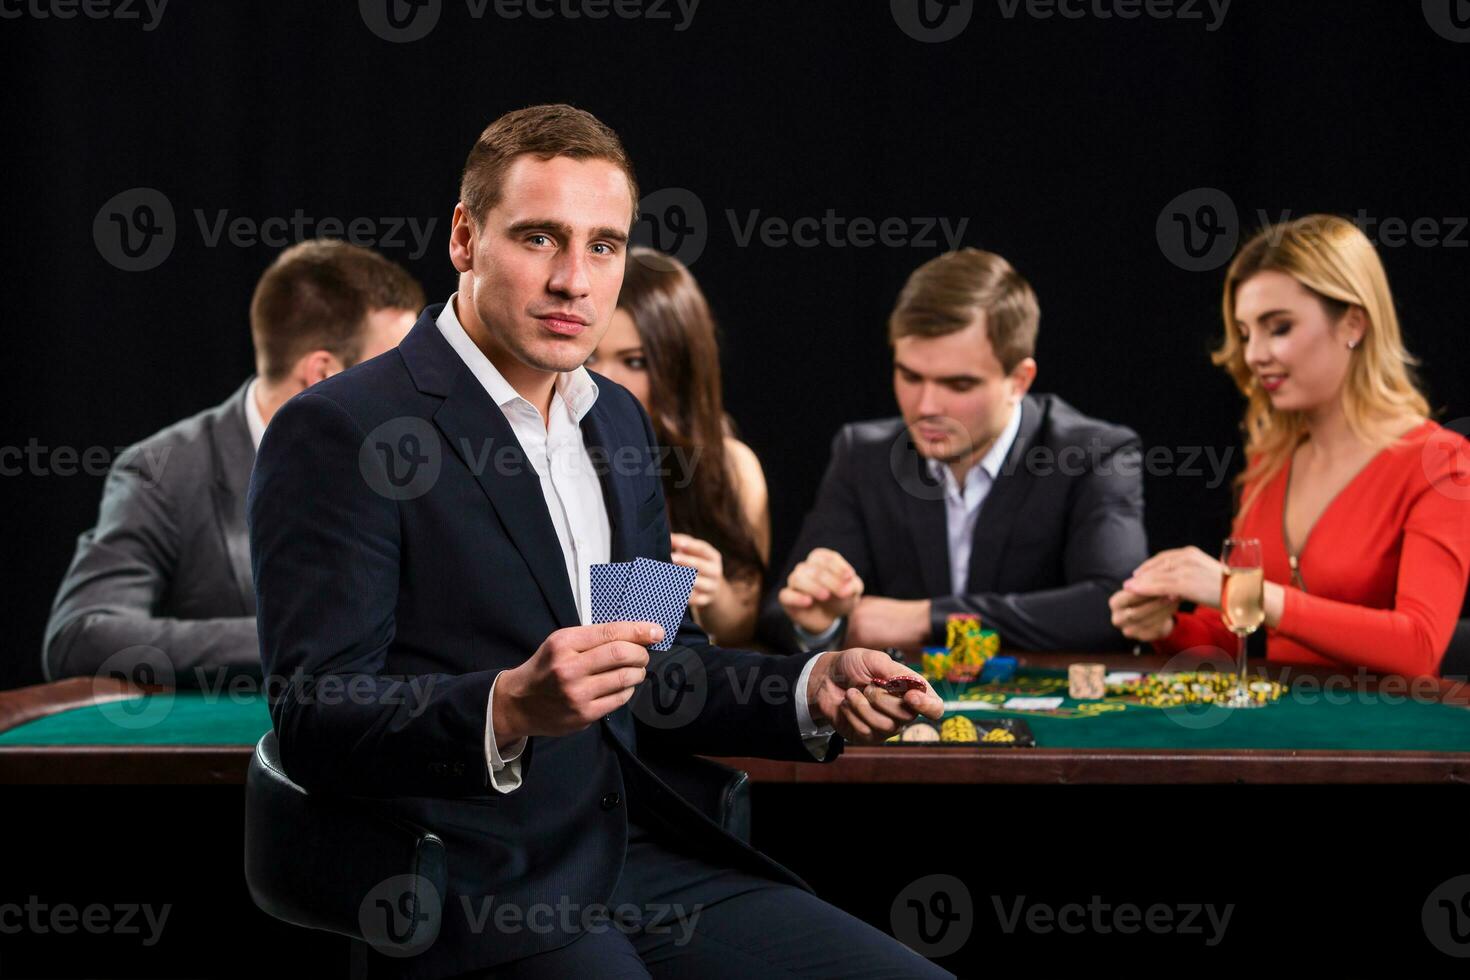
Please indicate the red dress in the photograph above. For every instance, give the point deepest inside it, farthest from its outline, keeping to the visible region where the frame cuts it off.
(1384, 568)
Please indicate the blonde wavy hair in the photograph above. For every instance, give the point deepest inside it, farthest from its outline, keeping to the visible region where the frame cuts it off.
(1334, 259)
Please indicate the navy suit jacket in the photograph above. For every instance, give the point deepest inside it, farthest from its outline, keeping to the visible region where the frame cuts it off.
(403, 555)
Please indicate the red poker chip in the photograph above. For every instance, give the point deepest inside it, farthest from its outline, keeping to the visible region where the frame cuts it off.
(901, 684)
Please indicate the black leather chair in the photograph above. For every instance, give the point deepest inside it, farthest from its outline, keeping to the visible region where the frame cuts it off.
(330, 863)
(345, 865)
(1456, 662)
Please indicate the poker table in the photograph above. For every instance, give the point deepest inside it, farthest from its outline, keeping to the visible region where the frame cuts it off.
(1358, 730)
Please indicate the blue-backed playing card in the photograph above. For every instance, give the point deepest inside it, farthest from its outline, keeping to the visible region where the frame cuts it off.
(658, 591)
(607, 583)
(642, 590)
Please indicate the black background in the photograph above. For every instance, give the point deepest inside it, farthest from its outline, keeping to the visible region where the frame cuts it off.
(1060, 140)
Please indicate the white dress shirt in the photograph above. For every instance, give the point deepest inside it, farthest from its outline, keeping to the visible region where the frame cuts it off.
(961, 514)
(962, 504)
(254, 421)
(569, 482)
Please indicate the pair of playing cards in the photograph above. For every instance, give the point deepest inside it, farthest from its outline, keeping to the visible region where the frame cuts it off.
(642, 590)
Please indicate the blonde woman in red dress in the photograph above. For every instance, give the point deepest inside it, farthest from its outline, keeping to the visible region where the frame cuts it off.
(1361, 502)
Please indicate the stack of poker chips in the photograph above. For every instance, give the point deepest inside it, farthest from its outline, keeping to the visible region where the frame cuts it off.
(1085, 681)
(958, 728)
(968, 647)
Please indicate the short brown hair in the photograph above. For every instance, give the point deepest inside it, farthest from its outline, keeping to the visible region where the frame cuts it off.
(944, 295)
(543, 130)
(317, 295)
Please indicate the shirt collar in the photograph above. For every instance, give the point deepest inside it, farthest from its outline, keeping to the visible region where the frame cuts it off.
(576, 388)
(254, 421)
(993, 459)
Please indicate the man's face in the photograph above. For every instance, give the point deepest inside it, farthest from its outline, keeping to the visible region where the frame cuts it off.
(540, 273)
(953, 393)
(385, 329)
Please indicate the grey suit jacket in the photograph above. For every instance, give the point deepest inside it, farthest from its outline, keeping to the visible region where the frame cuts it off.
(1061, 528)
(162, 584)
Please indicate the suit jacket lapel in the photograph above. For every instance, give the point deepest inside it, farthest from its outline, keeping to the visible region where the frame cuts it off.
(602, 444)
(234, 457)
(475, 428)
(923, 504)
(1002, 505)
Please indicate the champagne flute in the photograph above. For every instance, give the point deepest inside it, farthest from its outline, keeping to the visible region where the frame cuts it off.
(1242, 603)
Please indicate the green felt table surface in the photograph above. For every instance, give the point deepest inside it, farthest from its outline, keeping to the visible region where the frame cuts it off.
(181, 718)
(1303, 719)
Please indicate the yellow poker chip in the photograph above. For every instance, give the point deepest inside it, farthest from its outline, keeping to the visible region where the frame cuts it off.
(958, 728)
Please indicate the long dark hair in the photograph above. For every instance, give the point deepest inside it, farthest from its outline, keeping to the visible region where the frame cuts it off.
(679, 340)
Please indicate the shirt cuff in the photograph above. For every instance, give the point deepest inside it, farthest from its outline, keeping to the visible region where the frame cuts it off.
(816, 738)
(505, 767)
(818, 641)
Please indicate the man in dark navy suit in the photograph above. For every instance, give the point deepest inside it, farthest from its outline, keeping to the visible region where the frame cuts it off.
(422, 529)
(979, 499)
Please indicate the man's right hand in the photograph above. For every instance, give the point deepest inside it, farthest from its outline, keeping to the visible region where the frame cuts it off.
(821, 589)
(577, 676)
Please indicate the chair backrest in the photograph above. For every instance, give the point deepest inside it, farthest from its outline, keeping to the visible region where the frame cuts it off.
(1456, 662)
(341, 864)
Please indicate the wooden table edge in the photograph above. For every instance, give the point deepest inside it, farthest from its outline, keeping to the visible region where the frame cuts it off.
(56, 765)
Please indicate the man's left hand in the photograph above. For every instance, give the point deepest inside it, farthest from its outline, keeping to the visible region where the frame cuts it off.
(881, 623)
(843, 691)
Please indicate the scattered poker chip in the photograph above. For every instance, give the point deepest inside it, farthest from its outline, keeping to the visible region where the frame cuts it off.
(919, 731)
(901, 685)
(1202, 687)
(958, 728)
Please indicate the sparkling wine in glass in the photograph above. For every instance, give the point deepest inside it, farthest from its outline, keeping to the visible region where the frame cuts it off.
(1242, 603)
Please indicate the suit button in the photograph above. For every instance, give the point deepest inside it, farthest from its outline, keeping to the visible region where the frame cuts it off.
(610, 800)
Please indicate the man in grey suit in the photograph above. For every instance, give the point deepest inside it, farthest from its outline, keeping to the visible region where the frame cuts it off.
(162, 584)
(981, 499)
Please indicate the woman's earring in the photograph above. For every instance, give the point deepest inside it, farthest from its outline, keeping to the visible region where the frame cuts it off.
(1352, 345)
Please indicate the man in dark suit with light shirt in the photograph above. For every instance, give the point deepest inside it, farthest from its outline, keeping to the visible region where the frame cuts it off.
(434, 515)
